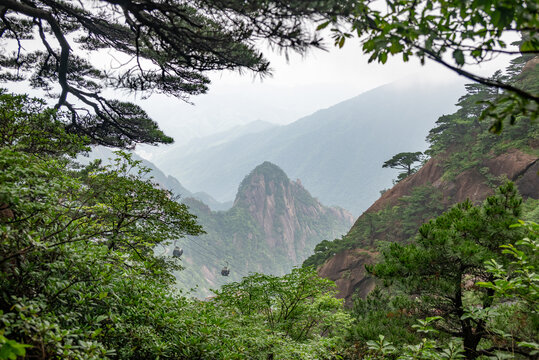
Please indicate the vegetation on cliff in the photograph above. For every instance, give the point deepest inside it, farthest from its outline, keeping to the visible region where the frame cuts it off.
(459, 142)
(448, 279)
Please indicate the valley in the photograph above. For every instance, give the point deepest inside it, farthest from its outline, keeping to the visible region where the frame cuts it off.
(401, 223)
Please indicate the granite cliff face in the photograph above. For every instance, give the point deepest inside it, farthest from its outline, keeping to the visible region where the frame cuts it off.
(273, 225)
(346, 268)
(285, 212)
(516, 165)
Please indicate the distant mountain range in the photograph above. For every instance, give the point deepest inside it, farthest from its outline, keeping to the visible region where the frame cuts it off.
(337, 152)
(166, 181)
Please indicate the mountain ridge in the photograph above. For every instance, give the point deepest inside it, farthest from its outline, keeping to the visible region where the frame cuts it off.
(168, 182)
(326, 149)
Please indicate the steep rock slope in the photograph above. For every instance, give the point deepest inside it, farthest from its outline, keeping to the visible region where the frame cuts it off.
(273, 225)
(337, 151)
(471, 184)
(468, 162)
(346, 268)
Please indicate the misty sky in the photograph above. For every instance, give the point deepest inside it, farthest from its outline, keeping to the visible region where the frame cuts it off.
(297, 88)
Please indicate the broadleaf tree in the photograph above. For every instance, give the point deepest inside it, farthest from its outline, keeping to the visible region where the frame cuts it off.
(453, 33)
(297, 308)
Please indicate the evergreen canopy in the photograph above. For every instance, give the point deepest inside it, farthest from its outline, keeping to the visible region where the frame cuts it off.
(448, 258)
(404, 161)
(162, 46)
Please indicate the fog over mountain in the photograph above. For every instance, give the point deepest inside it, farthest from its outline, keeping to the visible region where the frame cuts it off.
(106, 155)
(337, 152)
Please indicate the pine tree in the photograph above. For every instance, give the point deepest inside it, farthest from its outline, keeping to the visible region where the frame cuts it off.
(449, 257)
(162, 46)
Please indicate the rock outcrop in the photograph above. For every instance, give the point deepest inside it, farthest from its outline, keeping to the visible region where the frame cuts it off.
(285, 212)
(347, 269)
(517, 166)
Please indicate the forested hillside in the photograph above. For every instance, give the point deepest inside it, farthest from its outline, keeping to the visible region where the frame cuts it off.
(335, 152)
(467, 161)
(273, 225)
(445, 263)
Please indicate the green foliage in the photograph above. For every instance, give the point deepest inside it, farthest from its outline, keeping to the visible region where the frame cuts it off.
(382, 313)
(70, 246)
(521, 281)
(73, 241)
(469, 32)
(297, 308)
(510, 324)
(25, 120)
(425, 349)
(530, 209)
(404, 161)
(448, 257)
(10, 349)
(81, 277)
(397, 223)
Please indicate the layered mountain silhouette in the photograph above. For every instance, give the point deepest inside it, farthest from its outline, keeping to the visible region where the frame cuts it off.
(337, 152)
(165, 181)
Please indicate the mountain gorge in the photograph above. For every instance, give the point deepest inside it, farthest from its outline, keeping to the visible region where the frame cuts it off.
(337, 152)
(273, 225)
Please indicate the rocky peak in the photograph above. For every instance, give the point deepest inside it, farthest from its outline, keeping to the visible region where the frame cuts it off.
(266, 181)
(273, 225)
(284, 210)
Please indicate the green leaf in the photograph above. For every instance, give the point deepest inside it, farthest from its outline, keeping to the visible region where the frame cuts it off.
(458, 55)
(323, 25)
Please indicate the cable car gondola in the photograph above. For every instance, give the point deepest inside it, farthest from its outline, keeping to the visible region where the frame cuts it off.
(177, 253)
(225, 271)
